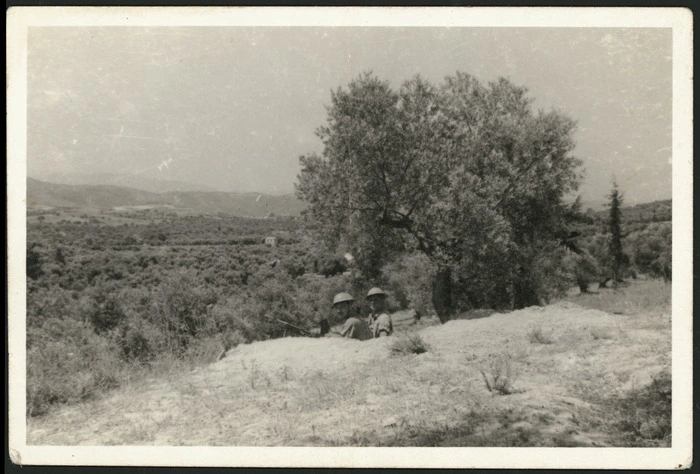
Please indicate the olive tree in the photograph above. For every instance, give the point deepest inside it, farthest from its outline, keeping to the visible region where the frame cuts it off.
(464, 172)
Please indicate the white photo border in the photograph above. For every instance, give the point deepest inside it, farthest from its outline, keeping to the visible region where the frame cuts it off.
(19, 19)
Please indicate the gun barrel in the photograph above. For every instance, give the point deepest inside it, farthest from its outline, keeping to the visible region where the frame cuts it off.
(301, 330)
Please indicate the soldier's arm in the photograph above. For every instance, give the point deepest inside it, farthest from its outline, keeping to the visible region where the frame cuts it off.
(342, 333)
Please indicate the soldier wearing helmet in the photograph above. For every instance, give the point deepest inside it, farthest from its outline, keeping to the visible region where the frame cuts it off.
(353, 328)
(380, 321)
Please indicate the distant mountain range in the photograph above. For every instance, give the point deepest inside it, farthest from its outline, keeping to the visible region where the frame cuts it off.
(145, 183)
(42, 193)
(103, 196)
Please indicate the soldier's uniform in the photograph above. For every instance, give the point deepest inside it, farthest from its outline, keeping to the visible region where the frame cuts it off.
(379, 322)
(382, 325)
(325, 327)
(355, 328)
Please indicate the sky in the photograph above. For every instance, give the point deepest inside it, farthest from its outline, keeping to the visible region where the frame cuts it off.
(233, 108)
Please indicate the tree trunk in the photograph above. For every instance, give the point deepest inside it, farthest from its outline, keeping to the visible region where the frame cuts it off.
(524, 294)
(583, 285)
(442, 294)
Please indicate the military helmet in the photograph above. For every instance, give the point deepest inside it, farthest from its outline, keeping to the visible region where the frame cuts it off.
(342, 297)
(375, 291)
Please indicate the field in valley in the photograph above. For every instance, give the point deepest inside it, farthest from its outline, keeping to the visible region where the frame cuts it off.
(588, 370)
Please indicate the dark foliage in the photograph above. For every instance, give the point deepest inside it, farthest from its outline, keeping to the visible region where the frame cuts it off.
(34, 270)
(616, 253)
(104, 298)
(411, 169)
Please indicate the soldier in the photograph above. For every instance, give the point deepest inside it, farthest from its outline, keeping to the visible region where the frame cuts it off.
(325, 327)
(353, 328)
(380, 321)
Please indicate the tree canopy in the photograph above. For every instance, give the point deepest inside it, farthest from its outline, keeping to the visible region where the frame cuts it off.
(465, 172)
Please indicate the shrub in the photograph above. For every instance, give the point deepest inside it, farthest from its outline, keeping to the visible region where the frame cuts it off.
(182, 306)
(301, 302)
(315, 295)
(550, 275)
(586, 270)
(231, 339)
(537, 335)
(333, 266)
(650, 248)
(229, 317)
(500, 374)
(140, 341)
(72, 364)
(294, 268)
(44, 304)
(410, 279)
(601, 333)
(645, 414)
(204, 350)
(135, 346)
(59, 256)
(34, 270)
(412, 344)
(106, 313)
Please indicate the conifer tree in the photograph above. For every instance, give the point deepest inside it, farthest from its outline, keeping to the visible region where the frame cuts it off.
(616, 253)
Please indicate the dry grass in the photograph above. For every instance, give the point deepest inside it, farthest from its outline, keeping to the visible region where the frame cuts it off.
(323, 391)
(580, 391)
(640, 416)
(644, 415)
(409, 344)
(537, 335)
(633, 297)
(602, 333)
(500, 374)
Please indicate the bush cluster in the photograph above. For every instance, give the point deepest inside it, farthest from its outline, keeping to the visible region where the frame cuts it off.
(646, 247)
(81, 343)
(644, 415)
(108, 296)
(105, 301)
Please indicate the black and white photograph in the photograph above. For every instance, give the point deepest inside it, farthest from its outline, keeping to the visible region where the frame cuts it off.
(243, 237)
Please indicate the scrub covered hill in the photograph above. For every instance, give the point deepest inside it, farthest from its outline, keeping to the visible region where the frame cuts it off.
(591, 370)
(116, 294)
(40, 193)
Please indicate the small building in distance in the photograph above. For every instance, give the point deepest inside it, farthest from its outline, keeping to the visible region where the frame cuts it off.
(271, 241)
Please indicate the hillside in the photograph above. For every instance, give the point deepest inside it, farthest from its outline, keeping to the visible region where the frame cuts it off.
(656, 211)
(581, 377)
(141, 182)
(130, 192)
(41, 193)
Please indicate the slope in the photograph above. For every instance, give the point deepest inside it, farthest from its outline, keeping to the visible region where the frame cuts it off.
(40, 193)
(141, 182)
(575, 391)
